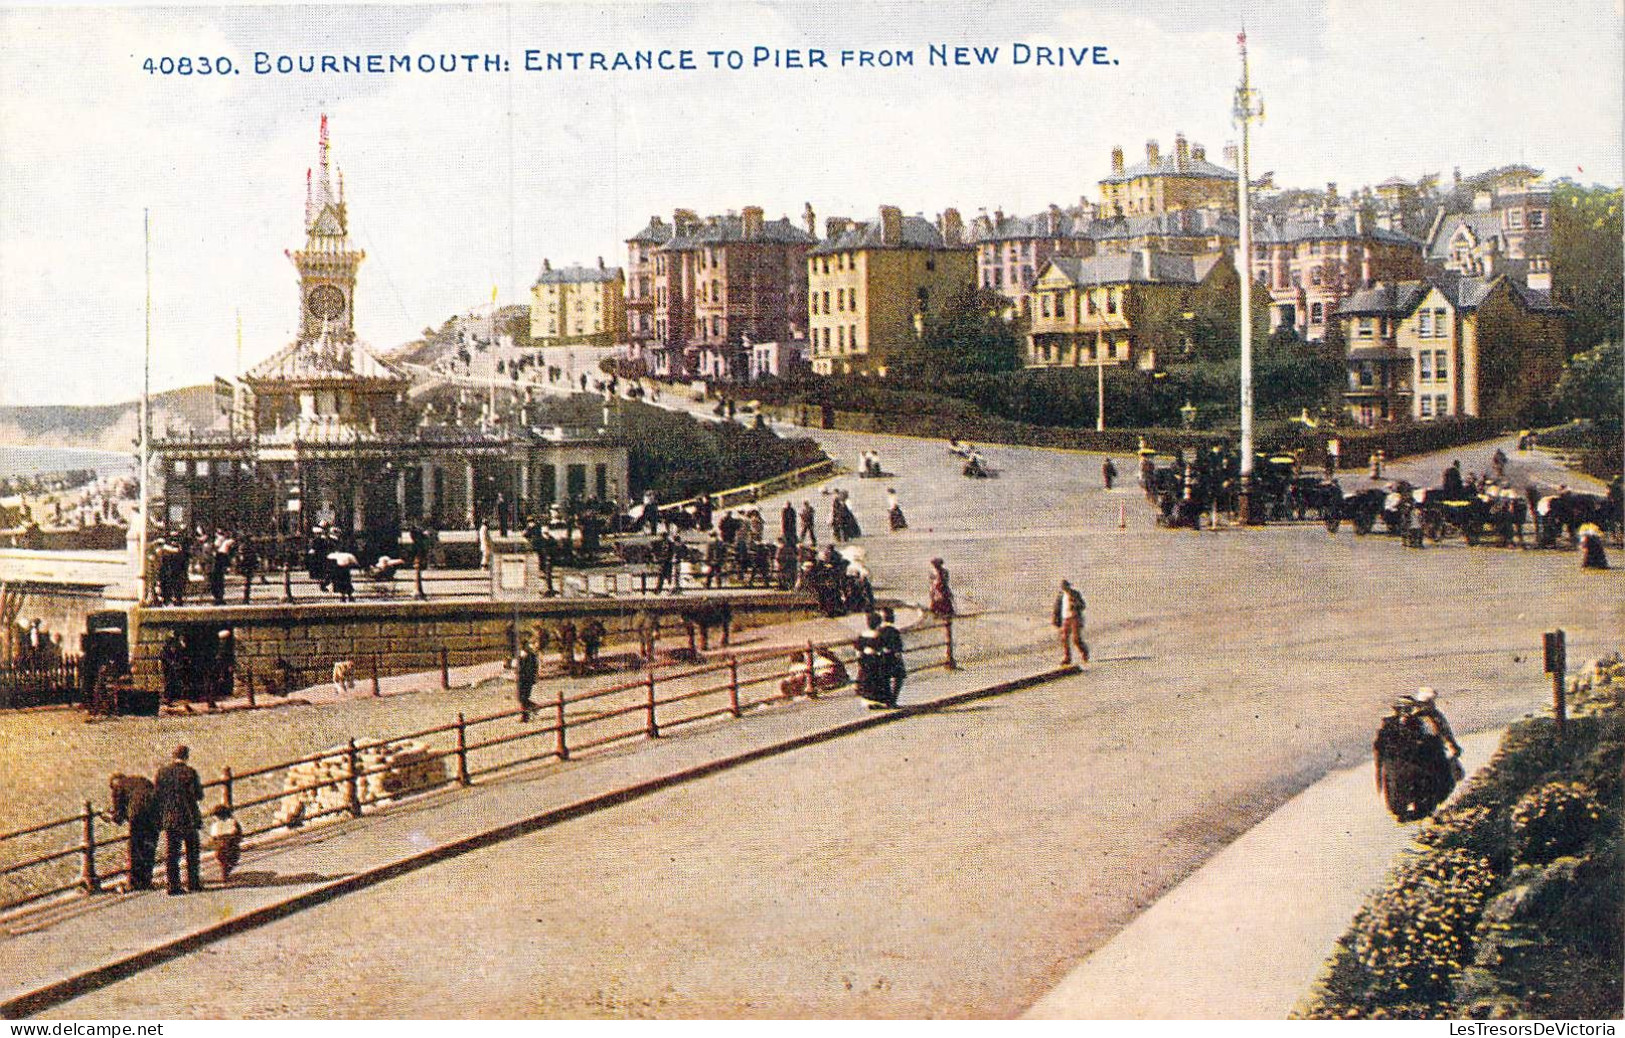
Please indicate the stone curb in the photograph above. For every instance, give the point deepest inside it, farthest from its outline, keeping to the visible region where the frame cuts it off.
(85, 981)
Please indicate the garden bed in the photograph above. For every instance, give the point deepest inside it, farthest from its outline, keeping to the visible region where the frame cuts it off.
(1508, 905)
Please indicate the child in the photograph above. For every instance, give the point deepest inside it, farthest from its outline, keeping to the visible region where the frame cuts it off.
(226, 840)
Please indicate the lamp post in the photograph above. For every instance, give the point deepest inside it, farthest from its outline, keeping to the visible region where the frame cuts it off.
(1187, 414)
(1249, 108)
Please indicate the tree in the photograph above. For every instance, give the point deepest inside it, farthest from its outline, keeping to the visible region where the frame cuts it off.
(1586, 264)
(1591, 386)
(968, 333)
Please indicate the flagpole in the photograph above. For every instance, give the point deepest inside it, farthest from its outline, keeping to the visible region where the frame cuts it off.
(1249, 109)
(146, 421)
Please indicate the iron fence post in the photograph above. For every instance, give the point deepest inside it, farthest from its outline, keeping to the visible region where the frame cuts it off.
(226, 793)
(812, 673)
(733, 684)
(376, 692)
(87, 865)
(561, 746)
(462, 752)
(353, 781)
(287, 581)
(651, 729)
(948, 644)
(417, 579)
(445, 669)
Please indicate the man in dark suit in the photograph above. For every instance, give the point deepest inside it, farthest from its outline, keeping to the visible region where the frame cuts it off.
(524, 670)
(178, 792)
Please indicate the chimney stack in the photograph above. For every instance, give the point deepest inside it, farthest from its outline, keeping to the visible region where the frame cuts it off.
(810, 219)
(1198, 153)
(683, 221)
(835, 226)
(1331, 192)
(1117, 161)
(891, 225)
(1182, 151)
(1054, 221)
(752, 217)
(1232, 156)
(1153, 156)
(952, 227)
(1539, 278)
(546, 266)
(600, 263)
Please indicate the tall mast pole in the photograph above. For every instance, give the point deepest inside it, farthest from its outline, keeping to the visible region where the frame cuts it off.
(146, 421)
(1249, 109)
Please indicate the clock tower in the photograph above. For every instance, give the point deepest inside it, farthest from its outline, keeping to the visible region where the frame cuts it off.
(327, 264)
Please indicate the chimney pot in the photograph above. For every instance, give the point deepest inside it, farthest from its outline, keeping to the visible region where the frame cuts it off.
(1117, 161)
(1182, 151)
(1152, 155)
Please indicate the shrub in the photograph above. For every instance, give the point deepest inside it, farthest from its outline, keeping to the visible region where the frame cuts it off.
(1553, 820)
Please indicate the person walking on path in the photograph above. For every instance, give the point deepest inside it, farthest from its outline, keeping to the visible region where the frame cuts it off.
(1108, 473)
(1067, 617)
(894, 511)
(787, 522)
(134, 801)
(524, 679)
(942, 596)
(872, 677)
(178, 792)
(809, 524)
(896, 665)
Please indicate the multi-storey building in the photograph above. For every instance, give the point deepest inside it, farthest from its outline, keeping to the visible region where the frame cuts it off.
(1449, 345)
(1115, 308)
(872, 285)
(640, 285)
(1182, 180)
(1311, 266)
(722, 283)
(1508, 230)
(1011, 250)
(578, 306)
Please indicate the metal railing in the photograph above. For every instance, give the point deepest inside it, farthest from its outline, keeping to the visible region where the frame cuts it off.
(51, 683)
(569, 724)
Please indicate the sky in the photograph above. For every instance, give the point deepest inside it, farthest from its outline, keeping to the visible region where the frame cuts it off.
(464, 182)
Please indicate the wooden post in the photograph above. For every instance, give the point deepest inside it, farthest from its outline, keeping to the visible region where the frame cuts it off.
(352, 792)
(88, 880)
(1122, 516)
(1556, 649)
(651, 729)
(225, 787)
(417, 579)
(462, 752)
(445, 669)
(375, 690)
(733, 685)
(948, 644)
(248, 683)
(812, 671)
(561, 747)
(287, 581)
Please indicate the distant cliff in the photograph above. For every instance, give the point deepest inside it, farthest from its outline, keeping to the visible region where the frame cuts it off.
(109, 427)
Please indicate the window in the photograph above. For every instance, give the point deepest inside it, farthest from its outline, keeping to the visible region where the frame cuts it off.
(1044, 304)
(1090, 304)
(1424, 324)
(1317, 313)
(1441, 365)
(1424, 370)
(1515, 219)
(998, 277)
(1365, 327)
(1537, 219)
(1441, 327)
(852, 336)
(1314, 276)
(1441, 405)
(840, 337)
(852, 300)
(840, 300)
(1060, 305)
(930, 263)
(1111, 301)
(1426, 403)
(1368, 375)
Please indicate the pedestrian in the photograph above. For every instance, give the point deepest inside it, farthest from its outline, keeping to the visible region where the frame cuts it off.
(592, 638)
(1067, 617)
(1108, 472)
(134, 802)
(809, 524)
(894, 511)
(787, 522)
(226, 840)
(485, 545)
(872, 676)
(567, 647)
(341, 565)
(178, 791)
(222, 678)
(942, 596)
(525, 667)
(248, 563)
(891, 640)
(1376, 464)
(1592, 553)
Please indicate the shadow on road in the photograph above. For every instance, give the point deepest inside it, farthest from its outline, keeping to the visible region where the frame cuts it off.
(277, 879)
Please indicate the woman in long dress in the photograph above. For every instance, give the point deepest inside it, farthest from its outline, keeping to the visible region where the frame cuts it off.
(872, 661)
(895, 511)
(942, 596)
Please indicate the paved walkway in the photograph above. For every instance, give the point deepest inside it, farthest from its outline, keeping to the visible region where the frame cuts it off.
(1245, 936)
(85, 943)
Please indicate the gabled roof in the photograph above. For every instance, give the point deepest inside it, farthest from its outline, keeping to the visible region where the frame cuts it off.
(323, 359)
(1288, 231)
(657, 232)
(1142, 267)
(1481, 225)
(1170, 166)
(1178, 223)
(578, 275)
(1386, 299)
(1069, 223)
(1400, 299)
(917, 233)
(725, 230)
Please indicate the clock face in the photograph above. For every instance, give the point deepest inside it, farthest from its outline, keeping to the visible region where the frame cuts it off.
(325, 302)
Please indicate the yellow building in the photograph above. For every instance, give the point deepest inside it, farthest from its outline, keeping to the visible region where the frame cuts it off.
(578, 306)
(1449, 346)
(872, 285)
(1114, 308)
(1164, 183)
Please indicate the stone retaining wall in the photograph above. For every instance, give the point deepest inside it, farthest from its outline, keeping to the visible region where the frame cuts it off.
(406, 637)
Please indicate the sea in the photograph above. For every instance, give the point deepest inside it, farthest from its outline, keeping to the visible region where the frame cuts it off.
(30, 461)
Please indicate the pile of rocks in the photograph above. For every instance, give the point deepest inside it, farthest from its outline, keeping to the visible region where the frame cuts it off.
(385, 770)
